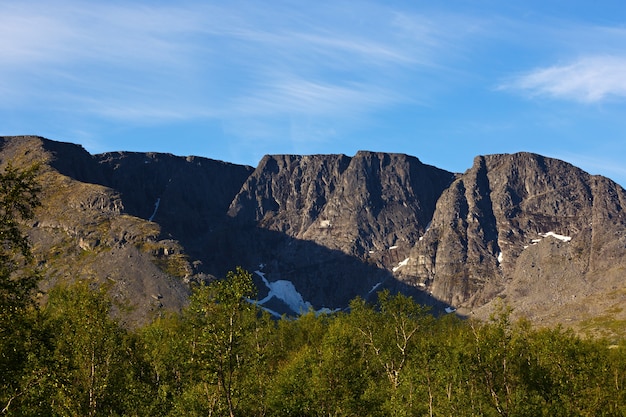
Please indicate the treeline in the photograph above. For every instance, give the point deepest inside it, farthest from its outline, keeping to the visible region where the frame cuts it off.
(223, 356)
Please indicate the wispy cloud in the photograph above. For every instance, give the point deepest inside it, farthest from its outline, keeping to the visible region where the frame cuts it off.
(51, 52)
(294, 95)
(141, 62)
(588, 80)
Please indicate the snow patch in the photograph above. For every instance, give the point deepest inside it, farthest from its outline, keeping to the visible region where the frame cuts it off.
(500, 257)
(556, 236)
(374, 288)
(450, 310)
(562, 238)
(325, 224)
(326, 310)
(401, 264)
(156, 207)
(285, 291)
(393, 247)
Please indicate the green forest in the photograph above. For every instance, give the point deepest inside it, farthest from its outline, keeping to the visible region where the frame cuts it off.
(224, 356)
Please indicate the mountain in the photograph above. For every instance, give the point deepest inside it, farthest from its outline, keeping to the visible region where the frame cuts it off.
(543, 234)
(334, 225)
(94, 223)
(319, 230)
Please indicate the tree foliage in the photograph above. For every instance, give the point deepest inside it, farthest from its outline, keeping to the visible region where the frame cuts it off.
(224, 356)
(18, 200)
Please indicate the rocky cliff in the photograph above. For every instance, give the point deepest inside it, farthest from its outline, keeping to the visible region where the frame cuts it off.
(539, 232)
(337, 225)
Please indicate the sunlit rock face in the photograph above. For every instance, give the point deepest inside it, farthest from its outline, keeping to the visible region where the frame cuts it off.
(512, 225)
(344, 221)
(538, 232)
(368, 202)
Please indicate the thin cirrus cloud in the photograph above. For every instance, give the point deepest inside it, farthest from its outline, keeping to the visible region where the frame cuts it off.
(66, 55)
(302, 96)
(142, 64)
(587, 80)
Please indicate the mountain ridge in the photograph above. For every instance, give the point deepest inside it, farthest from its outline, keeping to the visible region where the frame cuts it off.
(337, 226)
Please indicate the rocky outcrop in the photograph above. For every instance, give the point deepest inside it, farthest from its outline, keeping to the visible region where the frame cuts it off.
(187, 196)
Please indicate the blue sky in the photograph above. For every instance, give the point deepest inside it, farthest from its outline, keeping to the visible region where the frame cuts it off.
(441, 80)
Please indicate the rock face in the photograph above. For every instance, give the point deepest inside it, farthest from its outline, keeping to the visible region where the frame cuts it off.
(536, 230)
(337, 225)
(188, 197)
(359, 206)
(541, 233)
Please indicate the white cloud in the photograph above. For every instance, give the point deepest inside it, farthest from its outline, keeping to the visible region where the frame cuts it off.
(143, 62)
(589, 79)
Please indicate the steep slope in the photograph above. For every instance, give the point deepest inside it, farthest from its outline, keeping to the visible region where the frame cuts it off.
(535, 230)
(359, 206)
(84, 229)
(187, 196)
(337, 225)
